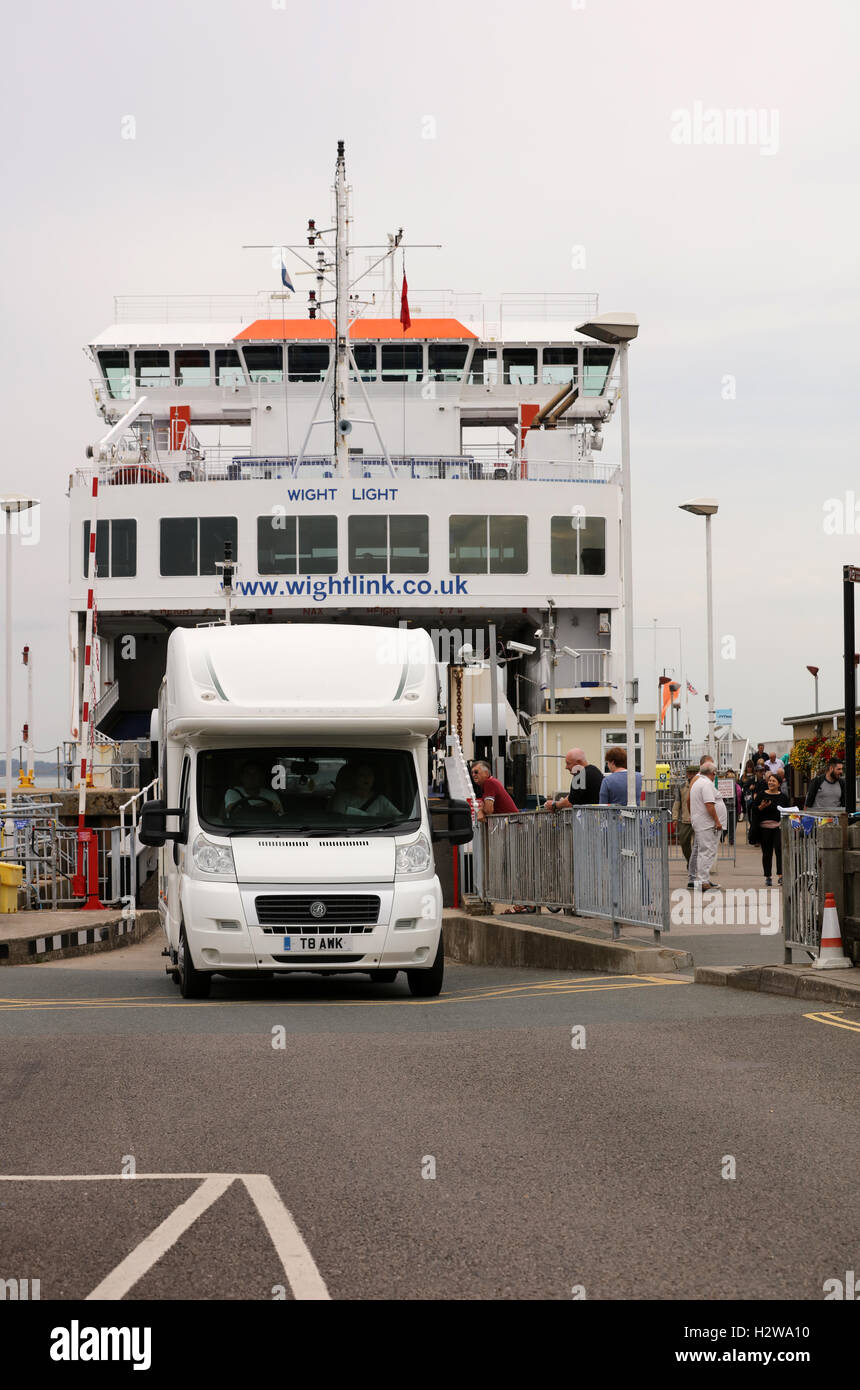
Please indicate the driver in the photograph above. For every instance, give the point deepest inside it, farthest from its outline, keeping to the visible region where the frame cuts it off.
(355, 791)
(251, 792)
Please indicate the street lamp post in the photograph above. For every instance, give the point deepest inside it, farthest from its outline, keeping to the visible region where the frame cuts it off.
(10, 506)
(620, 329)
(708, 507)
(813, 671)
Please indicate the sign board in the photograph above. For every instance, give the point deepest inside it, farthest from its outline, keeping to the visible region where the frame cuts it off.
(723, 718)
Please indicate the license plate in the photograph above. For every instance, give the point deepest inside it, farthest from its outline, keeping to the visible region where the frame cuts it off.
(318, 945)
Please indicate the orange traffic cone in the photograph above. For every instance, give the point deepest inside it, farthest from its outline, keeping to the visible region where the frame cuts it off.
(831, 956)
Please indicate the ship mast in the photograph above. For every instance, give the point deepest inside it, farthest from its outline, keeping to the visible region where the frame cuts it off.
(342, 425)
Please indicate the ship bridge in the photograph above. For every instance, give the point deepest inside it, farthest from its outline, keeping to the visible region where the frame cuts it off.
(474, 491)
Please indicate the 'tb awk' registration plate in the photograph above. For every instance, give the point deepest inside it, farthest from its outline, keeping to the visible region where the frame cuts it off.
(317, 944)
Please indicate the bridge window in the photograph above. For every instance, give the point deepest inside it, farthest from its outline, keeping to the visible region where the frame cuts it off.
(559, 366)
(265, 363)
(520, 366)
(402, 362)
(276, 544)
(389, 545)
(215, 531)
(578, 544)
(365, 360)
(484, 370)
(317, 544)
(153, 369)
(446, 361)
(228, 368)
(595, 369)
(309, 362)
(488, 544)
(192, 545)
(278, 553)
(116, 548)
(192, 367)
(115, 370)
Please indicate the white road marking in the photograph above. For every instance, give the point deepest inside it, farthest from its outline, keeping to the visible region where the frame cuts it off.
(127, 1273)
(305, 1279)
(301, 1272)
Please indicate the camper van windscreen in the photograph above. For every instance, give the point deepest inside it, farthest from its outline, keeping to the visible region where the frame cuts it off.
(315, 791)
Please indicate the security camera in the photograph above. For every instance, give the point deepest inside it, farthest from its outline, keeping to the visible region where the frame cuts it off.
(570, 651)
(520, 647)
(539, 632)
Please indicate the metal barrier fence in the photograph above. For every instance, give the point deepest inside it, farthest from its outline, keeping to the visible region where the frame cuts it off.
(806, 837)
(52, 856)
(600, 861)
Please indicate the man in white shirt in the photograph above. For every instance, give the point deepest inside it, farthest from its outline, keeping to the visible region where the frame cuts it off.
(773, 763)
(707, 823)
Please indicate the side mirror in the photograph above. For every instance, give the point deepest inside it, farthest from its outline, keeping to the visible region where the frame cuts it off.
(456, 821)
(152, 826)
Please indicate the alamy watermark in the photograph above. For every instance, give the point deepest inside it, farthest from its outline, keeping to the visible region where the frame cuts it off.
(713, 125)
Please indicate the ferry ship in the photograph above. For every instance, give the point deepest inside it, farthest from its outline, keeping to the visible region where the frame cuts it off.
(386, 456)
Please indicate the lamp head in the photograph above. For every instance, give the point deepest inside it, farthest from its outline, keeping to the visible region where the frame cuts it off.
(611, 328)
(701, 506)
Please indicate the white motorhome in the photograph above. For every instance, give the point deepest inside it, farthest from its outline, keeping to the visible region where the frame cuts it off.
(294, 757)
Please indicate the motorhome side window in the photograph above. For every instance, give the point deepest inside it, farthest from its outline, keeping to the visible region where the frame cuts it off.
(389, 545)
(116, 548)
(290, 544)
(195, 545)
(306, 790)
(488, 544)
(578, 544)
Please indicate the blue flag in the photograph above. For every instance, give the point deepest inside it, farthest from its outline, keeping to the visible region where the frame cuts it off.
(285, 279)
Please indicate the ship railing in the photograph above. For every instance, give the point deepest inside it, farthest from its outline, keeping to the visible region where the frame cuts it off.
(227, 465)
(244, 308)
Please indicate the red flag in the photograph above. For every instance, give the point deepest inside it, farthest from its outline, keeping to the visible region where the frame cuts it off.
(405, 317)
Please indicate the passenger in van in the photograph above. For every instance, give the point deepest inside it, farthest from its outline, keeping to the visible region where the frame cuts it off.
(355, 791)
(251, 794)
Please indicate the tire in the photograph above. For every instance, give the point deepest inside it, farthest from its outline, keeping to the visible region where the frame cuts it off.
(193, 983)
(382, 977)
(426, 984)
(555, 909)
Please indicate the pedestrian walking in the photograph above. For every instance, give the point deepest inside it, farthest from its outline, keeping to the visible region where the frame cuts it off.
(768, 801)
(708, 824)
(827, 793)
(683, 824)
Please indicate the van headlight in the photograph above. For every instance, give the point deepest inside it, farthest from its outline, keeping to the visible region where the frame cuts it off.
(414, 858)
(212, 859)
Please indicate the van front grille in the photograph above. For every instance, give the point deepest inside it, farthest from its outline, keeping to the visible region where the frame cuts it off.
(290, 909)
(314, 929)
(313, 962)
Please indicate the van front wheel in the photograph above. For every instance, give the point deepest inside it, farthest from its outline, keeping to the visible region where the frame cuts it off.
(193, 983)
(426, 984)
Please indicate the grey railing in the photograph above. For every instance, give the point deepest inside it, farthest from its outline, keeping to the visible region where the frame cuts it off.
(599, 861)
(811, 866)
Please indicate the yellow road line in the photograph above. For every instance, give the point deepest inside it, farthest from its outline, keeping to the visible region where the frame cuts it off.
(535, 990)
(835, 1020)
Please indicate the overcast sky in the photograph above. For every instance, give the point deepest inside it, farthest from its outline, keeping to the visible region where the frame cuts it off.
(558, 125)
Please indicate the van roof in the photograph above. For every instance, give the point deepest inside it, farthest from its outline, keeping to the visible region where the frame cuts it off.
(301, 678)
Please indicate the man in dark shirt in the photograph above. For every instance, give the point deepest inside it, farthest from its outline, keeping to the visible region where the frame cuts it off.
(494, 799)
(585, 782)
